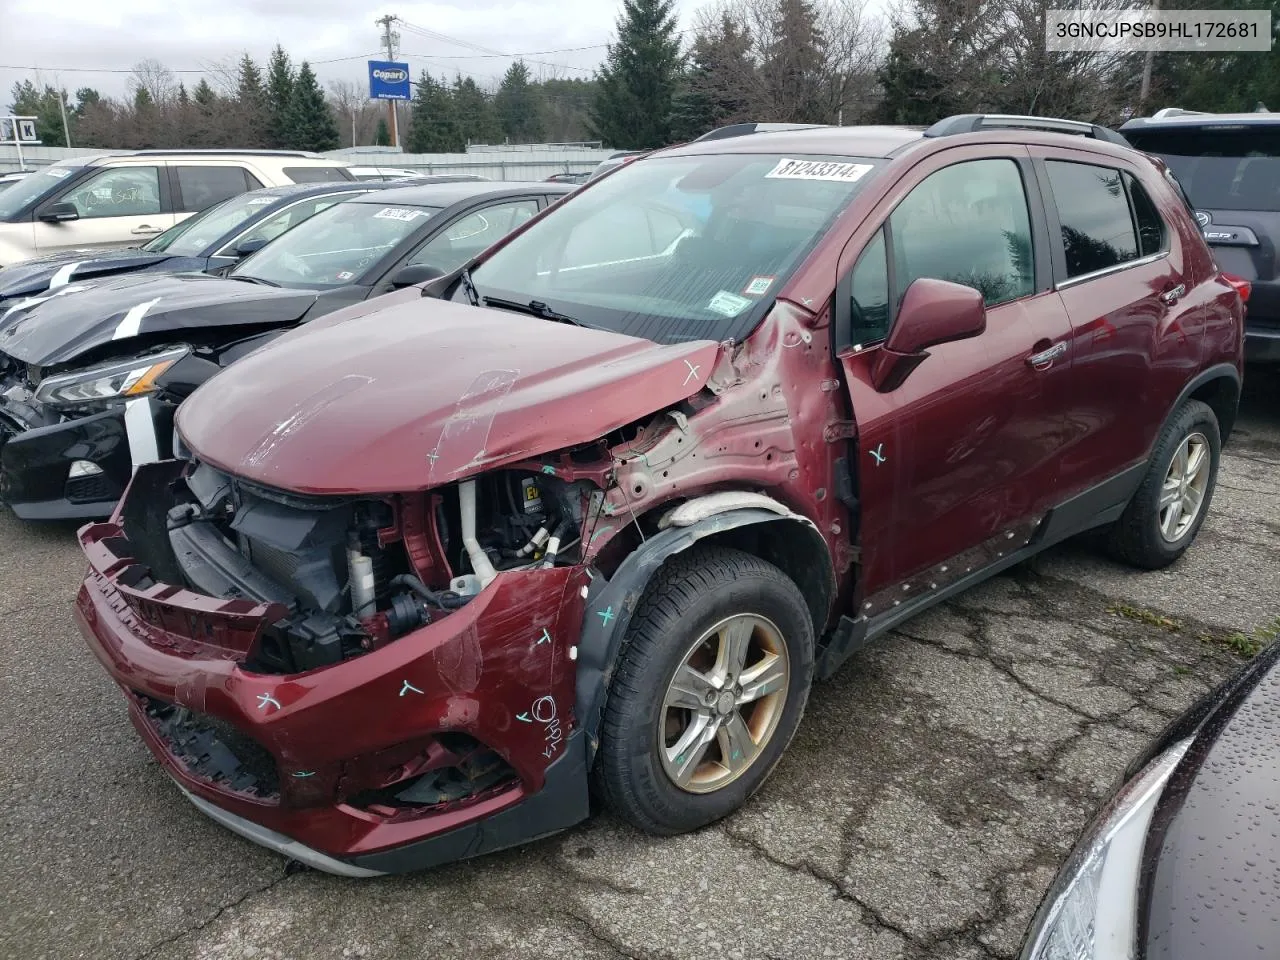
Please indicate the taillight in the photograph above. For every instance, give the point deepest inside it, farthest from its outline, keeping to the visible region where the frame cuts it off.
(1241, 285)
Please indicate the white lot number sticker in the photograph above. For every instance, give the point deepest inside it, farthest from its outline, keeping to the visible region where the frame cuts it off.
(259, 201)
(58, 172)
(788, 169)
(398, 213)
(728, 304)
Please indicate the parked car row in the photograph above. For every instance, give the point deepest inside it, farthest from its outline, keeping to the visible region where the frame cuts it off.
(554, 494)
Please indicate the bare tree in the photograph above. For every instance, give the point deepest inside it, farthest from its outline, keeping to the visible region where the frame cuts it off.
(156, 79)
(355, 112)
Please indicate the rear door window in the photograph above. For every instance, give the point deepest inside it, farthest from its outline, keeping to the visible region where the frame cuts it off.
(201, 187)
(1097, 226)
(1220, 169)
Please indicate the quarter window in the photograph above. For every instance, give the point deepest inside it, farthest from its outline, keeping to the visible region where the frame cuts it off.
(1097, 227)
(967, 224)
(118, 192)
(1151, 230)
(318, 174)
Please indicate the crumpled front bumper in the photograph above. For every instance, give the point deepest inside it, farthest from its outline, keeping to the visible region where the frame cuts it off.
(499, 672)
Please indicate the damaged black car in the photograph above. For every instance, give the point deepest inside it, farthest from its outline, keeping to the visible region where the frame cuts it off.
(91, 374)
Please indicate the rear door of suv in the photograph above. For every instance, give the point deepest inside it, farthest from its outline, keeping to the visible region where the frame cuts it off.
(1134, 290)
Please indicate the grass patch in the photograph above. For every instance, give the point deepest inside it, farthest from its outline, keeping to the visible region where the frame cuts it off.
(1249, 645)
(1143, 615)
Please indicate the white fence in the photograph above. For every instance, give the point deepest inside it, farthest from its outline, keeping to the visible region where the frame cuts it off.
(505, 163)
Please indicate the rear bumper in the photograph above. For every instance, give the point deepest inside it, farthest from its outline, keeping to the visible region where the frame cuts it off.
(304, 763)
(1262, 344)
(1262, 323)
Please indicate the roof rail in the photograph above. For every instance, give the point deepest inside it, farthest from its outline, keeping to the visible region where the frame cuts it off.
(1175, 112)
(745, 129)
(973, 122)
(238, 153)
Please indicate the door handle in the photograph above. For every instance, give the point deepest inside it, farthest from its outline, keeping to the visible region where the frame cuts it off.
(1173, 294)
(144, 229)
(1044, 359)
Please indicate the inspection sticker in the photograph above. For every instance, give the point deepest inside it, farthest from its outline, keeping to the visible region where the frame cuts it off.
(758, 286)
(788, 169)
(728, 304)
(344, 275)
(398, 213)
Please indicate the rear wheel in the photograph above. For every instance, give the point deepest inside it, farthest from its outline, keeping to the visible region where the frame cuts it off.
(1169, 508)
(713, 680)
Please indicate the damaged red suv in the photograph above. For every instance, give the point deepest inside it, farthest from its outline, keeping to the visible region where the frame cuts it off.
(595, 512)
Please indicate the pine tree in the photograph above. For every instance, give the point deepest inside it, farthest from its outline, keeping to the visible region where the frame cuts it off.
(716, 89)
(251, 102)
(433, 127)
(516, 104)
(203, 94)
(793, 65)
(280, 81)
(309, 124)
(41, 103)
(382, 136)
(477, 119)
(1218, 82)
(638, 80)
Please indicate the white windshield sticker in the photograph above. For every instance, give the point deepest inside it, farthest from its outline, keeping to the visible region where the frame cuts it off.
(728, 304)
(259, 201)
(398, 213)
(788, 169)
(758, 286)
(58, 172)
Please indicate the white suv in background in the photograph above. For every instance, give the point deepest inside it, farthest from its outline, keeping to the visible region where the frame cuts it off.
(119, 199)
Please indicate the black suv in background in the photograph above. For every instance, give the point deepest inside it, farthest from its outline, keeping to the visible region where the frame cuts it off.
(1229, 165)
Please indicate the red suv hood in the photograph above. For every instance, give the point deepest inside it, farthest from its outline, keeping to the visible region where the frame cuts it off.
(424, 393)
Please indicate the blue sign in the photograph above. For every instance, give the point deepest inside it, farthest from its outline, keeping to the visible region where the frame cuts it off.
(388, 81)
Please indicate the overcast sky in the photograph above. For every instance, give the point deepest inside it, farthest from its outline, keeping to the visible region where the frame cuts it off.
(187, 35)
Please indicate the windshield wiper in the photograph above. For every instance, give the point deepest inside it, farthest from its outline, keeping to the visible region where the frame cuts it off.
(472, 297)
(535, 308)
(244, 277)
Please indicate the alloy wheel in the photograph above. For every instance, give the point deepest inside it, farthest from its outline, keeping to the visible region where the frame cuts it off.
(723, 703)
(1183, 493)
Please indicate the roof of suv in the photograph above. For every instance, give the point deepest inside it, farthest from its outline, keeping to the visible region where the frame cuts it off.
(444, 194)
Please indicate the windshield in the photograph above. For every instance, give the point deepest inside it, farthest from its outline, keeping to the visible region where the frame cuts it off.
(334, 247)
(1220, 169)
(677, 248)
(192, 236)
(32, 187)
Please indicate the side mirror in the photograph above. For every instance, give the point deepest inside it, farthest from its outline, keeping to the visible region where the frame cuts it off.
(414, 274)
(247, 247)
(59, 212)
(932, 312)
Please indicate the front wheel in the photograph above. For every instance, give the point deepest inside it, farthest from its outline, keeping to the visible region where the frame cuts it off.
(1169, 508)
(711, 685)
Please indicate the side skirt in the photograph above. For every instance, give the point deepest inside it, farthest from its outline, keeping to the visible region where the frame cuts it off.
(894, 605)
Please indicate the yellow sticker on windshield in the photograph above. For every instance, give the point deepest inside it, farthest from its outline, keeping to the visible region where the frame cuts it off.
(788, 169)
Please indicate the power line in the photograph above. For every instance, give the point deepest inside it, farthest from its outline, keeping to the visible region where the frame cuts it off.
(206, 70)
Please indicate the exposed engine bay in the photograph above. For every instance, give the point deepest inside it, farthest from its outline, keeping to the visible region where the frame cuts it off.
(355, 574)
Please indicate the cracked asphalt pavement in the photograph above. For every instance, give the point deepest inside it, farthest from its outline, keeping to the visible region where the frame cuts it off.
(933, 789)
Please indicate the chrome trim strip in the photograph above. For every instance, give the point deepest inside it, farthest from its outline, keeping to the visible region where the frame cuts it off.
(1149, 258)
(278, 841)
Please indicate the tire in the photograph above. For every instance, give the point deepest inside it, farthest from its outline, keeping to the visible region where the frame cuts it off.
(1137, 538)
(722, 596)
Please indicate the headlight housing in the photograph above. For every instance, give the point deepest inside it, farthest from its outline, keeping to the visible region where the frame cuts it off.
(1091, 912)
(118, 380)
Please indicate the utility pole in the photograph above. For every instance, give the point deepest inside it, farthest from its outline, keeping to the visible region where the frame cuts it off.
(390, 39)
(1145, 87)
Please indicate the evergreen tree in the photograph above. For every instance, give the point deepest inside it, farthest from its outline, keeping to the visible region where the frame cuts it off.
(433, 127)
(382, 137)
(251, 103)
(637, 83)
(203, 95)
(793, 65)
(280, 81)
(517, 105)
(1218, 82)
(309, 124)
(913, 93)
(716, 90)
(43, 104)
(184, 98)
(477, 119)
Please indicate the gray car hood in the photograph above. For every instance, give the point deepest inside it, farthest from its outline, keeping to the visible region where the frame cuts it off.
(59, 326)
